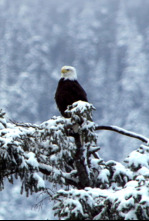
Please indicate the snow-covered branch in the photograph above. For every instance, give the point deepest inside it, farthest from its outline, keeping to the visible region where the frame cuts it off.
(26, 150)
(52, 148)
(65, 152)
(122, 195)
(124, 132)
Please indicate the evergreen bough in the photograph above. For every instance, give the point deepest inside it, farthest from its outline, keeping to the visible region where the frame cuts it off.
(55, 152)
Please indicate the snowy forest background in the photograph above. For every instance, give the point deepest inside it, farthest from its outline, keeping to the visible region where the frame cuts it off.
(108, 43)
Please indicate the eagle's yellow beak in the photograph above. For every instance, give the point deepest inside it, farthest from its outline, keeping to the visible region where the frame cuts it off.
(64, 70)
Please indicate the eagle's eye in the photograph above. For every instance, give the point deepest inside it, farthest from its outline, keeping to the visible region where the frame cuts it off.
(67, 69)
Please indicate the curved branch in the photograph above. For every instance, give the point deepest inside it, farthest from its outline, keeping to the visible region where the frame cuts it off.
(124, 132)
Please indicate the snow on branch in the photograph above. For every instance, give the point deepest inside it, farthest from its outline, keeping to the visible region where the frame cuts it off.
(124, 132)
(123, 194)
(65, 151)
(51, 148)
(26, 150)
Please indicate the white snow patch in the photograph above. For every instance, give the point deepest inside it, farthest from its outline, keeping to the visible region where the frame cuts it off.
(32, 160)
(41, 183)
(136, 158)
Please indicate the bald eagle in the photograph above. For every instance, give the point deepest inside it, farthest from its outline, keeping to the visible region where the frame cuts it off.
(68, 90)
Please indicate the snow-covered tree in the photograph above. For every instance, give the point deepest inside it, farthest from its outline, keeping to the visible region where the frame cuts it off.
(54, 152)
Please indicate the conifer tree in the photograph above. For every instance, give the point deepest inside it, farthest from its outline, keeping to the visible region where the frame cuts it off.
(53, 151)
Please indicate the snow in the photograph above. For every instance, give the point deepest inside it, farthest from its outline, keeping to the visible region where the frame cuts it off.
(137, 159)
(125, 195)
(144, 171)
(32, 161)
(124, 187)
(40, 181)
(103, 176)
(81, 106)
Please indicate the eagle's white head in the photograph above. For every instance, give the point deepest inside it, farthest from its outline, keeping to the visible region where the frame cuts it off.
(69, 73)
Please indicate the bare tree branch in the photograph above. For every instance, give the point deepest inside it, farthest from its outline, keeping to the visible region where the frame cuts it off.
(123, 132)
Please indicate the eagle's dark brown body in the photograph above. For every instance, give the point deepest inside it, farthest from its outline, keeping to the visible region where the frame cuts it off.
(68, 92)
